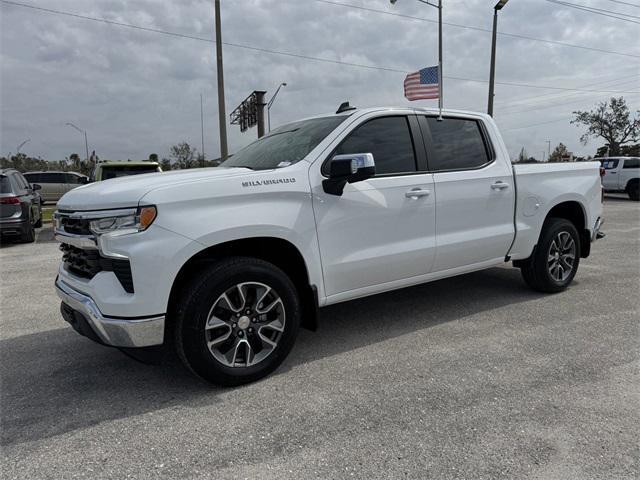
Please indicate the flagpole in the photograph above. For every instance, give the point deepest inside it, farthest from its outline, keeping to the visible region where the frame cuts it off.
(440, 58)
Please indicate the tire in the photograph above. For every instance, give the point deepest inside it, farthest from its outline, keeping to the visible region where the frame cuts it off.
(29, 235)
(38, 224)
(232, 289)
(541, 273)
(633, 190)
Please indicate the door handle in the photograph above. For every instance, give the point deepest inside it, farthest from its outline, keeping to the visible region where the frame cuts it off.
(499, 185)
(417, 193)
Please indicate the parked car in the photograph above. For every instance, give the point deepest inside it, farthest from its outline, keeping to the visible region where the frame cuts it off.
(20, 211)
(107, 170)
(56, 184)
(226, 263)
(621, 175)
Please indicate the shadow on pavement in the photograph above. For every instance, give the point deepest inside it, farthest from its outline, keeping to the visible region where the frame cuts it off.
(56, 381)
(43, 235)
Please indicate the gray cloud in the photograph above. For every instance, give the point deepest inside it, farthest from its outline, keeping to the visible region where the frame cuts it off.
(138, 92)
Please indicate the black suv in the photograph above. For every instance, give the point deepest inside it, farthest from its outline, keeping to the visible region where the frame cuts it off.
(20, 211)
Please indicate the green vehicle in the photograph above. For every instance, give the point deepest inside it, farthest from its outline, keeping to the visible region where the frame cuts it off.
(107, 170)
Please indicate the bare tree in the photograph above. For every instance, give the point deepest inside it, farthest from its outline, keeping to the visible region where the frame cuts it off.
(611, 121)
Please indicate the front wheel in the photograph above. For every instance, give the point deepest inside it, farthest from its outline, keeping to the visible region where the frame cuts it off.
(237, 321)
(556, 257)
(633, 190)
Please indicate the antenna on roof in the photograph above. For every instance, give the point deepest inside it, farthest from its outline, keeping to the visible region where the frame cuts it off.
(345, 107)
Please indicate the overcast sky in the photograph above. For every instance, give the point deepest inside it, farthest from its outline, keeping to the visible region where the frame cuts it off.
(137, 92)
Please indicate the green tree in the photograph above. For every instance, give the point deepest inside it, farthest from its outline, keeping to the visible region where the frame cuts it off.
(559, 152)
(183, 156)
(153, 157)
(611, 121)
(165, 164)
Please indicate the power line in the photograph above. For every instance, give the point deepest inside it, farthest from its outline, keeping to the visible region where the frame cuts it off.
(290, 54)
(591, 10)
(479, 29)
(625, 3)
(555, 96)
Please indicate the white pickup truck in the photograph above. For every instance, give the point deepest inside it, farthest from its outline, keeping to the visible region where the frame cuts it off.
(621, 175)
(226, 263)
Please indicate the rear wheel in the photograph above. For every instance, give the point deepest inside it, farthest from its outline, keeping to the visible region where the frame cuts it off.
(29, 234)
(633, 190)
(555, 260)
(38, 224)
(237, 321)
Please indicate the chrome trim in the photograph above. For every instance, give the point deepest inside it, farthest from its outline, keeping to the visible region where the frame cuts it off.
(91, 215)
(115, 332)
(79, 241)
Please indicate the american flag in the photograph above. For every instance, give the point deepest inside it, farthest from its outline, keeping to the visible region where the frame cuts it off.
(422, 85)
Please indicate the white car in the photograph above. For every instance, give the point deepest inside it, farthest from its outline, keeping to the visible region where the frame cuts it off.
(226, 263)
(621, 175)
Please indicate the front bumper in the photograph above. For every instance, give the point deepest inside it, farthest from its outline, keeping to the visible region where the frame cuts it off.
(82, 313)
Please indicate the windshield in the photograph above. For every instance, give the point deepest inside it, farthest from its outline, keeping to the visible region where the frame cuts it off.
(125, 170)
(285, 145)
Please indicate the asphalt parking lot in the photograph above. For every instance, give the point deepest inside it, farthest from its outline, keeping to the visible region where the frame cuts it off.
(470, 377)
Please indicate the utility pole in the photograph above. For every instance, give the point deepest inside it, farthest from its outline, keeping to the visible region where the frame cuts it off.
(202, 128)
(492, 70)
(440, 85)
(440, 77)
(548, 142)
(222, 114)
(260, 104)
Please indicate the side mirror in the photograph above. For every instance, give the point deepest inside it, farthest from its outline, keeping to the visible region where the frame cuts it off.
(349, 168)
(36, 187)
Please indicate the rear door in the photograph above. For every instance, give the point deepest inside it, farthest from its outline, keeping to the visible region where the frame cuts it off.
(71, 181)
(475, 195)
(53, 186)
(610, 179)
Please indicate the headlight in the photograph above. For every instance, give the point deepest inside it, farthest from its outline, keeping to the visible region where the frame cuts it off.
(129, 222)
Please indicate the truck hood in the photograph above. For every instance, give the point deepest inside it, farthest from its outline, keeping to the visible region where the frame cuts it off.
(126, 192)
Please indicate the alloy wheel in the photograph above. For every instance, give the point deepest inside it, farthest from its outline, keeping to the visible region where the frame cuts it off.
(561, 257)
(245, 324)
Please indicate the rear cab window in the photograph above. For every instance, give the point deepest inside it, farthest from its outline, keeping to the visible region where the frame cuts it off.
(456, 144)
(115, 171)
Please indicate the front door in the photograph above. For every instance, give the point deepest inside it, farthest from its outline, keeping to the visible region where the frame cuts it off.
(475, 193)
(380, 230)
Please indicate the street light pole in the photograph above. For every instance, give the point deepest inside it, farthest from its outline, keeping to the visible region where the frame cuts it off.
(283, 84)
(86, 143)
(21, 145)
(222, 114)
(492, 72)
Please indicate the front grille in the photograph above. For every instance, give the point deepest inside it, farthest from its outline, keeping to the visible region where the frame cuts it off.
(75, 226)
(86, 263)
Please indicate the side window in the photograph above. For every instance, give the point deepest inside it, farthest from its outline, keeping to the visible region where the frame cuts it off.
(52, 178)
(71, 178)
(457, 144)
(388, 139)
(21, 183)
(32, 177)
(610, 164)
(631, 163)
